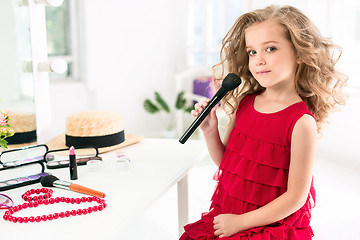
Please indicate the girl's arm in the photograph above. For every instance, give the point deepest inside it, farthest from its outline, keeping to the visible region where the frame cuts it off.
(303, 147)
(209, 127)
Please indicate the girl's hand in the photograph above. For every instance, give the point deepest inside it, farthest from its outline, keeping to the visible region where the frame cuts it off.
(226, 225)
(210, 123)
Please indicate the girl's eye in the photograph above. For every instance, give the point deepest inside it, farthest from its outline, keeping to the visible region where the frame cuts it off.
(251, 52)
(270, 49)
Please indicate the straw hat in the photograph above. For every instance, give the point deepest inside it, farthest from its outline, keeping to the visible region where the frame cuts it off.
(102, 129)
(24, 125)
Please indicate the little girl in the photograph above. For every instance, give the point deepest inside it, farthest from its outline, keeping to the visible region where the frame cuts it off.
(289, 85)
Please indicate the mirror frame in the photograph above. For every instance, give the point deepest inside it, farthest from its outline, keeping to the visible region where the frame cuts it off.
(41, 79)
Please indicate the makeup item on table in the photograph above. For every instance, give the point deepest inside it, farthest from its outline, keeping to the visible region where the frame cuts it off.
(230, 82)
(72, 164)
(122, 161)
(23, 156)
(22, 167)
(55, 164)
(19, 162)
(59, 157)
(52, 181)
(22, 181)
(94, 165)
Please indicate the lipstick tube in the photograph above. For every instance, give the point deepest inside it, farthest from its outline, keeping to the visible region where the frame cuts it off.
(72, 165)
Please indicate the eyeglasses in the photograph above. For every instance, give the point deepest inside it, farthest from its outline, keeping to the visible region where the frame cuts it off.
(5, 201)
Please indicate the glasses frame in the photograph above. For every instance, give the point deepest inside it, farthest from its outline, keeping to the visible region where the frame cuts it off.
(5, 206)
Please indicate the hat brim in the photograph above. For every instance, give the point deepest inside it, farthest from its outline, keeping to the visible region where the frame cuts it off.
(58, 142)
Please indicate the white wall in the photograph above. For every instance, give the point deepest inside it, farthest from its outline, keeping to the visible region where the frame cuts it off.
(130, 49)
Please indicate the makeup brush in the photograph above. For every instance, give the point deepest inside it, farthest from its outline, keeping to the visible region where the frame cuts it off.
(52, 181)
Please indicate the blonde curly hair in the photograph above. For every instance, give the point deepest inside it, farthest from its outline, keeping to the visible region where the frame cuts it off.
(316, 81)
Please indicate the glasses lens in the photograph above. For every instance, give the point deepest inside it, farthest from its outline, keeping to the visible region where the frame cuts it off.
(5, 201)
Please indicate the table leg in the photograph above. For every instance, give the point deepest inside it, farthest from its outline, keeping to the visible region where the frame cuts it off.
(183, 203)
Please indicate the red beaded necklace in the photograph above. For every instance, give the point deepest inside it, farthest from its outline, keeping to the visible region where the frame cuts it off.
(33, 202)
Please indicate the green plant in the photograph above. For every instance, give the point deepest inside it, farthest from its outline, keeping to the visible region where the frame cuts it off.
(5, 129)
(160, 105)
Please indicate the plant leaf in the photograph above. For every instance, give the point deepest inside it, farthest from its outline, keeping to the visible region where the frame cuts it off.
(189, 109)
(162, 102)
(150, 107)
(180, 101)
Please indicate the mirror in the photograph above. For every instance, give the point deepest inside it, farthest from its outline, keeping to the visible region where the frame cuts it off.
(17, 85)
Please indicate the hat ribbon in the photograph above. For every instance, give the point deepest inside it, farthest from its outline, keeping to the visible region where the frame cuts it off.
(22, 137)
(96, 141)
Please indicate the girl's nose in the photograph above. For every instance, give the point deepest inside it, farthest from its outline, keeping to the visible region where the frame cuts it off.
(260, 60)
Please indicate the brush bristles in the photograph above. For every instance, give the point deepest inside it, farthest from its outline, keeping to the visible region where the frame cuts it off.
(48, 181)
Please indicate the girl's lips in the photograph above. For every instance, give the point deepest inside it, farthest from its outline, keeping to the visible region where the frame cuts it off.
(263, 72)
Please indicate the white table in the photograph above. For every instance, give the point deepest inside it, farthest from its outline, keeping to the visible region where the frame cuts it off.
(156, 165)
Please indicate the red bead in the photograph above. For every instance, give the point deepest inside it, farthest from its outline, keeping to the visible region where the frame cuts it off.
(44, 218)
(31, 204)
(50, 217)
(89, 209)
(57, 199)
(104, 204)
(37, 218)
(67, 200)
(52, 200)
(79, 212)
(78, 200)
(25, 205)
(31, 219)
(46, 201)
(73, 212)
(72, 200)
(20, 219)
(62, 214)
(37, 191)
(19, 207)
(95, 198)
(95, 208)
(84, 211)
(25, 219)
(83, 199)
(89, 199)
(44, 190)
(6, 217)
(36, 204)
(11, 210)
(15, 208)
(100, 207)
(62, 199)
(41, 197)
(67, 213)
(56, 215)
(40, 201)
(14, 219)
(98, 200)
(35, 198)
(32, 191)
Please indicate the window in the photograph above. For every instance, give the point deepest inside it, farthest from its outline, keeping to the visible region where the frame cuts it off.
(61, 38)
(209, 21)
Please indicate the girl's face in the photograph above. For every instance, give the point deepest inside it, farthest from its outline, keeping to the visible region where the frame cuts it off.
(272, 58)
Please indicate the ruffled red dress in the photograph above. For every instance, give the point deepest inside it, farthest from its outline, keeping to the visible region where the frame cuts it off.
(253, 172)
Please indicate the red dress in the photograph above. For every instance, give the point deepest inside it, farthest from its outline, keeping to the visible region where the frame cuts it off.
(253, 172)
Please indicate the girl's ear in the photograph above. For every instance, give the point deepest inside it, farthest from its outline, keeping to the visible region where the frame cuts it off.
(298, 60)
